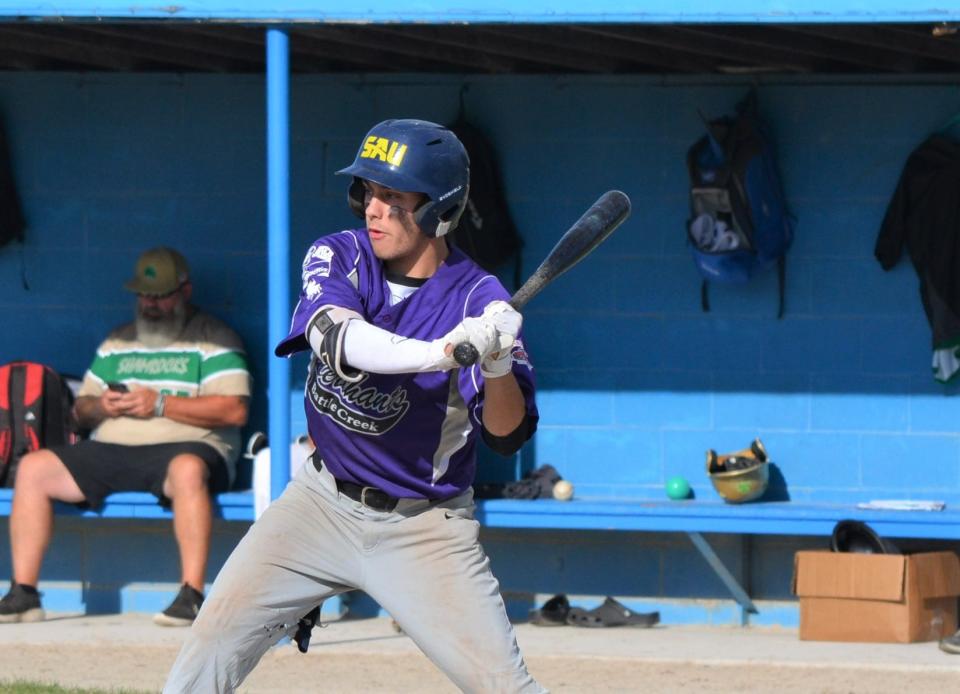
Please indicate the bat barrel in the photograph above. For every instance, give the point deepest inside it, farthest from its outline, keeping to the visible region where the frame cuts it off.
(588, 232)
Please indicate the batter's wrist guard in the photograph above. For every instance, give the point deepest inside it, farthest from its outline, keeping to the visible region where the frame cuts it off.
(330, 322)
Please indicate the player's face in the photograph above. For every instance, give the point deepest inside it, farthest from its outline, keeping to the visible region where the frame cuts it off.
(395, 237)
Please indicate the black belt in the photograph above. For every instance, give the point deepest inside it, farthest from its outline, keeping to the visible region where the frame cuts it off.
(371, 497)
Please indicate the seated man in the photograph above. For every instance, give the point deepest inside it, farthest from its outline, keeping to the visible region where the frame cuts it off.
(165, 398)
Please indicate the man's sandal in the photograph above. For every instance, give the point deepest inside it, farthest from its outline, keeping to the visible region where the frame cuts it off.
(611, 614)
(553, 613)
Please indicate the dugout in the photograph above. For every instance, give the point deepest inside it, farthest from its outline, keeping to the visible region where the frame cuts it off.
(133, 125)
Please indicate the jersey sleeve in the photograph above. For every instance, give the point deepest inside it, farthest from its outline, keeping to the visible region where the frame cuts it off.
(329, 277)
(472, 384)
(526, 378)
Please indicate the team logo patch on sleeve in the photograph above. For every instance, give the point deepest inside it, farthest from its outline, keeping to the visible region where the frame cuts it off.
(316, 264)
(323, 254)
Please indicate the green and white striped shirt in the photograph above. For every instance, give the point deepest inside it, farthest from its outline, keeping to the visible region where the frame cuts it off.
(207, 359)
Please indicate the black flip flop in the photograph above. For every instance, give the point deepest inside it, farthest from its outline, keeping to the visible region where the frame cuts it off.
(553, 613)
(611, 614)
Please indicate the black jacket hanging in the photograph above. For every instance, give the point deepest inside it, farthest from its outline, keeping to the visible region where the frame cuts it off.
(486, 232)
(924, 216)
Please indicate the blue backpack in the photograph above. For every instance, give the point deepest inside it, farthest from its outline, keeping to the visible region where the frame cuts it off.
(739, 223)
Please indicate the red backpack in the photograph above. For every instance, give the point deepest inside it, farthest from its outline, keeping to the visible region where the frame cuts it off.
(36, 411)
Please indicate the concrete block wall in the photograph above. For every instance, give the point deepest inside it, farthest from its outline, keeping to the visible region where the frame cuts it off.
(636, 382)
(640, 382)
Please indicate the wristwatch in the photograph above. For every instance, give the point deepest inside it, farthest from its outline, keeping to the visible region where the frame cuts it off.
(159, 405)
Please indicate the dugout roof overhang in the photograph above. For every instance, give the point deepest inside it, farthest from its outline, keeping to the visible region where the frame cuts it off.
(488, 37)
(485, 36)
(146, 45)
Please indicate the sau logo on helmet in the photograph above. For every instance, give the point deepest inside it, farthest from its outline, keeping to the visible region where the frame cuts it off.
(383, 149)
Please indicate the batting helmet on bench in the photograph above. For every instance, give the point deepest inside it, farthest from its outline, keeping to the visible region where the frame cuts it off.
(740, 476)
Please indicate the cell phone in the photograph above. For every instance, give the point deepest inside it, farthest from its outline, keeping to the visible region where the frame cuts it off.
(118, 387)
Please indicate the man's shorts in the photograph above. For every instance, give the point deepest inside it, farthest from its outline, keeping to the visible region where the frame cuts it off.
(100, 468)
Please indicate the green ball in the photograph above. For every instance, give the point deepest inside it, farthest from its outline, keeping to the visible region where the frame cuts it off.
(678, 488)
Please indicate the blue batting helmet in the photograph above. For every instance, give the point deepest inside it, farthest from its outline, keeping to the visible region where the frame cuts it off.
(414, 156)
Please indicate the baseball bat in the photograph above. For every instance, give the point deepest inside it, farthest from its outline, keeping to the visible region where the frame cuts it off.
(588, 232)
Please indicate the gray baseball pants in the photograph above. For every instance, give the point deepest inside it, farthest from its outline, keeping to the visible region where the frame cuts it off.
(421, 562)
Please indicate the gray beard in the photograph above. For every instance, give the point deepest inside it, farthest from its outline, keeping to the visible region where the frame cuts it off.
(161, 332)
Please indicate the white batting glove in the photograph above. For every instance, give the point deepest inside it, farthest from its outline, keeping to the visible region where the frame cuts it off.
(480, 332)
(498, 364)
(507, 322)
(506, 319)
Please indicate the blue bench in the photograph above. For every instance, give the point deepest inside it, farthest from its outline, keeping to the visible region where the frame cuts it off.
(233, 506)
(692, 517)
(651, 515)
(754, 518)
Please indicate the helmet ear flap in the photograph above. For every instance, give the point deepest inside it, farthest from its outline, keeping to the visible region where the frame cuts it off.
(422, 216)
(712, 463)
(435, 223)
(452, 217)
(449, 219)
(355, 198)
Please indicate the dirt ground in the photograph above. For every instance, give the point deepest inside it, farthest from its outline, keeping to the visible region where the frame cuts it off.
(128, 652)
(284, 670)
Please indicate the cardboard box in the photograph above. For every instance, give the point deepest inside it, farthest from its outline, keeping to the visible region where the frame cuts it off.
(876, 597)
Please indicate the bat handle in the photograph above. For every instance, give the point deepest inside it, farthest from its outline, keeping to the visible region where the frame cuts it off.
(465, 354)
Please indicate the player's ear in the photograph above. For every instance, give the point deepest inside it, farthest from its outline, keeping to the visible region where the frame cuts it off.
(186, 291)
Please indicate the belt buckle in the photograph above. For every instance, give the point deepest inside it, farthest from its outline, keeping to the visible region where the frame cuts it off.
(363, 496)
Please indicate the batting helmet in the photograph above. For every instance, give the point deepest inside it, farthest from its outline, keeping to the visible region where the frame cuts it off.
(857, 536)
(414, 156)
(741, 476)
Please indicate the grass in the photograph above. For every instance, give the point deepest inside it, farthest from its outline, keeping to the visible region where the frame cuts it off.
(27, 687)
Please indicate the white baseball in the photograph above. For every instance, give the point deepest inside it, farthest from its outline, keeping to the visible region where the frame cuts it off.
(563, 491)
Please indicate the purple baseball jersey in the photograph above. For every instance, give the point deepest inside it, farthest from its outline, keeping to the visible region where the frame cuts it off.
(412, 435)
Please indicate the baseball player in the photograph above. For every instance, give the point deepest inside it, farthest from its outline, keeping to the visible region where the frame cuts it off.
(385, 504)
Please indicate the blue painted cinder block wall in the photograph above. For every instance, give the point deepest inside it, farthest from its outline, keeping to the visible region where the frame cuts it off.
(636, 381)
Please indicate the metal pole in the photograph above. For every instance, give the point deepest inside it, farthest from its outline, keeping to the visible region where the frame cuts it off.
(739, 594)
(278, 254)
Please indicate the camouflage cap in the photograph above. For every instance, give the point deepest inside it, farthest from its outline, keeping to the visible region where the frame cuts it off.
(159, 271)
